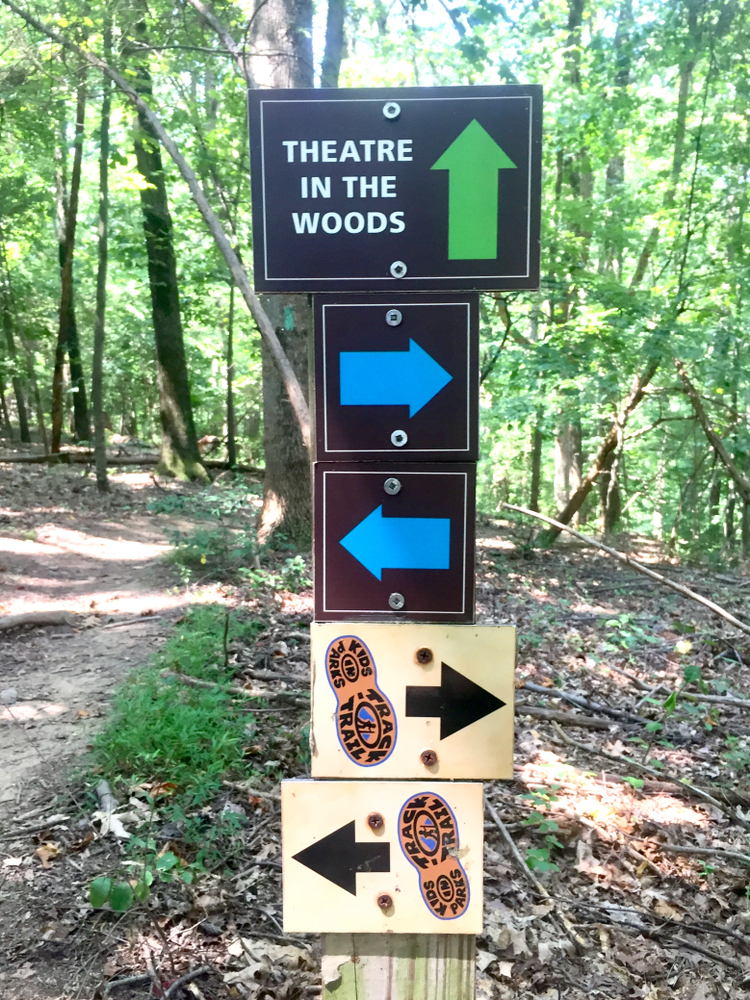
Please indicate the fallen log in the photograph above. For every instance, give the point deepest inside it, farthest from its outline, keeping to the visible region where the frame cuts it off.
(38, 619)
(87, 458)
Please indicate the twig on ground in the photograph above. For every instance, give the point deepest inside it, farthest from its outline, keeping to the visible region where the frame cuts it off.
(659, 775)
(709, 852)
(527, 872)
(132, 621)
(51, 821)
(628, 561)
(573, 699)
(566, 718)
(676, 942)
(295, 696)
(126, 981)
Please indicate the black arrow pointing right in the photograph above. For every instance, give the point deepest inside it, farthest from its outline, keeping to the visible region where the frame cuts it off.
(458, 702)
(338, 857)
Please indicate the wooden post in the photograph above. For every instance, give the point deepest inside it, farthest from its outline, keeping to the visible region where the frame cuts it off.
(398, 966)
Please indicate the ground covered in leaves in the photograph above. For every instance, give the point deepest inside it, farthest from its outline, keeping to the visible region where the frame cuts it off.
(616, 861)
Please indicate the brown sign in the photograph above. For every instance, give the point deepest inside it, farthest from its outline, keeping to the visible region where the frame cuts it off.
(397, 376)
(394, 542)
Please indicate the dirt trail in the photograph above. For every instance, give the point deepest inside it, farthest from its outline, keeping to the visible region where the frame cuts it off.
(104, 564)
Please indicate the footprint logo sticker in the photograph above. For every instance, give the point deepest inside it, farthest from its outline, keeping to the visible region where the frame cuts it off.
(428, 833)
(365, 720)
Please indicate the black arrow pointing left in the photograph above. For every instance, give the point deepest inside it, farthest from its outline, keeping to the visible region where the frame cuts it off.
(458, 702)
(338, 857)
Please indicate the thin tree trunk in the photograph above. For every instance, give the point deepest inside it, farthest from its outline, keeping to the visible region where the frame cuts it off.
(740, 480)
(8, 430)
(67, 338)
(608, 445)
(537, 440)
(97, 386)
(231, 418)
(334, 50)
(7, 310)
(179, 445)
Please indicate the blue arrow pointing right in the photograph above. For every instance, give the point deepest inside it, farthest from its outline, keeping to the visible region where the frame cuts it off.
(391, 378)
(400, 542)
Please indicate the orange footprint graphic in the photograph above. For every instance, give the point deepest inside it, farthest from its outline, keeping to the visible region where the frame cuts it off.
(365, 720)
(428, 833)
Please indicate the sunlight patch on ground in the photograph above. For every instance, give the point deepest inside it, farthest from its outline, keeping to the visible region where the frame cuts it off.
(31, 711)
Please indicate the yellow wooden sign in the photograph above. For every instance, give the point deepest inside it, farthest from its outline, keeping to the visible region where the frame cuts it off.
(412, 700)
(382, 857)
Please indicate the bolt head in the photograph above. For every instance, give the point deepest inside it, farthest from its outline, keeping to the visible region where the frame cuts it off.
(392, 486)
(375, 821)
(391, 110)
(396, 602)
(399, 438)
(385, 902)
(393, 317)
(424, 655)
(398, 269)
(428, 758)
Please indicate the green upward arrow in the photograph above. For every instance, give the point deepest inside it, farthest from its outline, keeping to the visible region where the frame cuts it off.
(473, 160)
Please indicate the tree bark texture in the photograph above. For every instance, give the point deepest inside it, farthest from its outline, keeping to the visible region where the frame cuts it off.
(67, 338)
(179, 445)
(281, 57)
(537, 440)
(567, 459)
(287, 499)
(97, 375)
(231, 417)
(334, 50)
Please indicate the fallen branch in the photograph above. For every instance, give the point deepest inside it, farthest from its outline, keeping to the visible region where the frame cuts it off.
(295, 696)
(565, 718)
(709, 852)
(645, 769)
(628, 561)
(573, 699)
(676, 942)
(126, 981)
(38, 619)
(524, 868)
(184, 980)
(87, 458)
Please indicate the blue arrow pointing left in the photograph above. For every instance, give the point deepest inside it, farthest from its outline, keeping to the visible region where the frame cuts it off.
(400, 542)
(391, 378)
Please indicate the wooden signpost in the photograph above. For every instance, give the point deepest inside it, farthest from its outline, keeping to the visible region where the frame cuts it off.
(417, 197)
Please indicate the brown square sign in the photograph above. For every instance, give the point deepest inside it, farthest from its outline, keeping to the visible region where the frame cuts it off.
(394, 542)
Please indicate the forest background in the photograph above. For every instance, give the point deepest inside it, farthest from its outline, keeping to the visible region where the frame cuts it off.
(617, 395)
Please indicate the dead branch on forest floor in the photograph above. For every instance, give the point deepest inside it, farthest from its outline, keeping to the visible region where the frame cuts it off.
(629, 561)
(565, 718)
(38, 619)
(616, 713)
(582, 943)
(297, 697)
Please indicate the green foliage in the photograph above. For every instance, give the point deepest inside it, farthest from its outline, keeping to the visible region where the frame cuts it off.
(163, 730)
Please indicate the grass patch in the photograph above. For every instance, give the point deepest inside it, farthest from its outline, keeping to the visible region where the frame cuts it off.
(162, 730)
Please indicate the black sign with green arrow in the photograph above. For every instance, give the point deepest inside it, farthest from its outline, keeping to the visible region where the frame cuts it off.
(400, 188)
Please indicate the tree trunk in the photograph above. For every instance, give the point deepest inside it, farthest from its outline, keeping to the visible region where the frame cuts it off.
(231, 418)
(608, 444)
(97, 387)
(537, 440)
(7, 310)
(739, 479)
(567, 459)
(334, 50)
(67, 338)
(7, 429)
(610, 500)
(281, 43)
(179, 446)
(287, 503)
